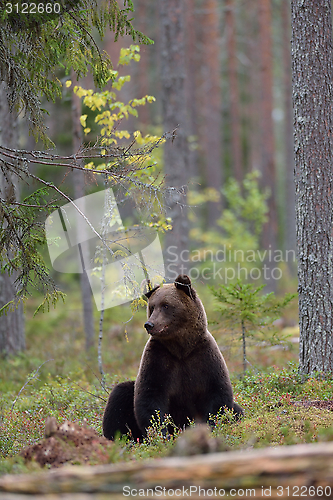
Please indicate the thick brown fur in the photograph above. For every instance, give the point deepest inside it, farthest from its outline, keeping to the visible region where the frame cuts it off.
(182, 371)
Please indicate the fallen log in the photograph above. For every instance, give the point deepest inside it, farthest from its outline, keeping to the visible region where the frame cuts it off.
(304, 470)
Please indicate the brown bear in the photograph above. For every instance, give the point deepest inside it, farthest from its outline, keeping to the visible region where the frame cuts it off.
(182, 371)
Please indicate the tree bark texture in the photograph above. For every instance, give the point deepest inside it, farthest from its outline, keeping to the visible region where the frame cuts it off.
(304, 470)
(172, 43)
(79, 178)
(313, 127)
(12, 334)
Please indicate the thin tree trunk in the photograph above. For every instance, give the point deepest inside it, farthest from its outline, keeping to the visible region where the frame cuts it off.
(191, 85)
(12, 334)
(290, 229)
(312, 71)
(174, 114)
(212, 104)
(236, 143)
(251, 87)
(269, 237)
(79, 192)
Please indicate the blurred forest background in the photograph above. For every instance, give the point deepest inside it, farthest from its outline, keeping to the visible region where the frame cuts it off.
(237, 88)
(237, 110)
(232, 152)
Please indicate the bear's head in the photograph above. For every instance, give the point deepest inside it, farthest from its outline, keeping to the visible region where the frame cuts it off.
(175, 312)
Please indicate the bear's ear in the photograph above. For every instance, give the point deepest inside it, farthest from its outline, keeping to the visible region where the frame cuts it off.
(148, 294)
(183, 283)
(149, 290)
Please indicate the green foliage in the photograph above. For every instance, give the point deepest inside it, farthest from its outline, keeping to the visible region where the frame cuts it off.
(243, 219)
(108, 111)
(22, 233)
(158, 441)
(21, 228)
(276, 382)
(271, 416)
(233, 249)
(242, 304)
(34, 47)
(247, 212)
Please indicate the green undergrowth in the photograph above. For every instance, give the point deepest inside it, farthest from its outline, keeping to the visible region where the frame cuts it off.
(271, 416)
(56, 377)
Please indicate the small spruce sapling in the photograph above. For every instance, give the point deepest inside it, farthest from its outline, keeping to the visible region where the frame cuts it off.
(255, 313)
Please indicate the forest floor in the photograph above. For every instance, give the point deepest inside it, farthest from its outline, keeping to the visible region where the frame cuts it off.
(68, 443)
(52, 404)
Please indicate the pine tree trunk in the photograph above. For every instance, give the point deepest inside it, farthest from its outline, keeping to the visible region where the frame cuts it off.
(313, 102)
(251, 85)
(269, 237)
(236, 143)
(175, 152)
(12, 335)
(79, 192)
(191, 84)
(211, 134)
(290, 229)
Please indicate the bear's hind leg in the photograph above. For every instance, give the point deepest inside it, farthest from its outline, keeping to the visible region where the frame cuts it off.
(119, 412)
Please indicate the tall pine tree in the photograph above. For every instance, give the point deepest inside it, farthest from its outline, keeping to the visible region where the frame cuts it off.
(312, 68)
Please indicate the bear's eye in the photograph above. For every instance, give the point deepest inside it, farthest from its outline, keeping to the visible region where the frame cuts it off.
(165, 306)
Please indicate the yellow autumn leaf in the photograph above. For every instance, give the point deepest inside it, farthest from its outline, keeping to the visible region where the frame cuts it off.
(83, 119)
(79, 91)
(68, 83)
